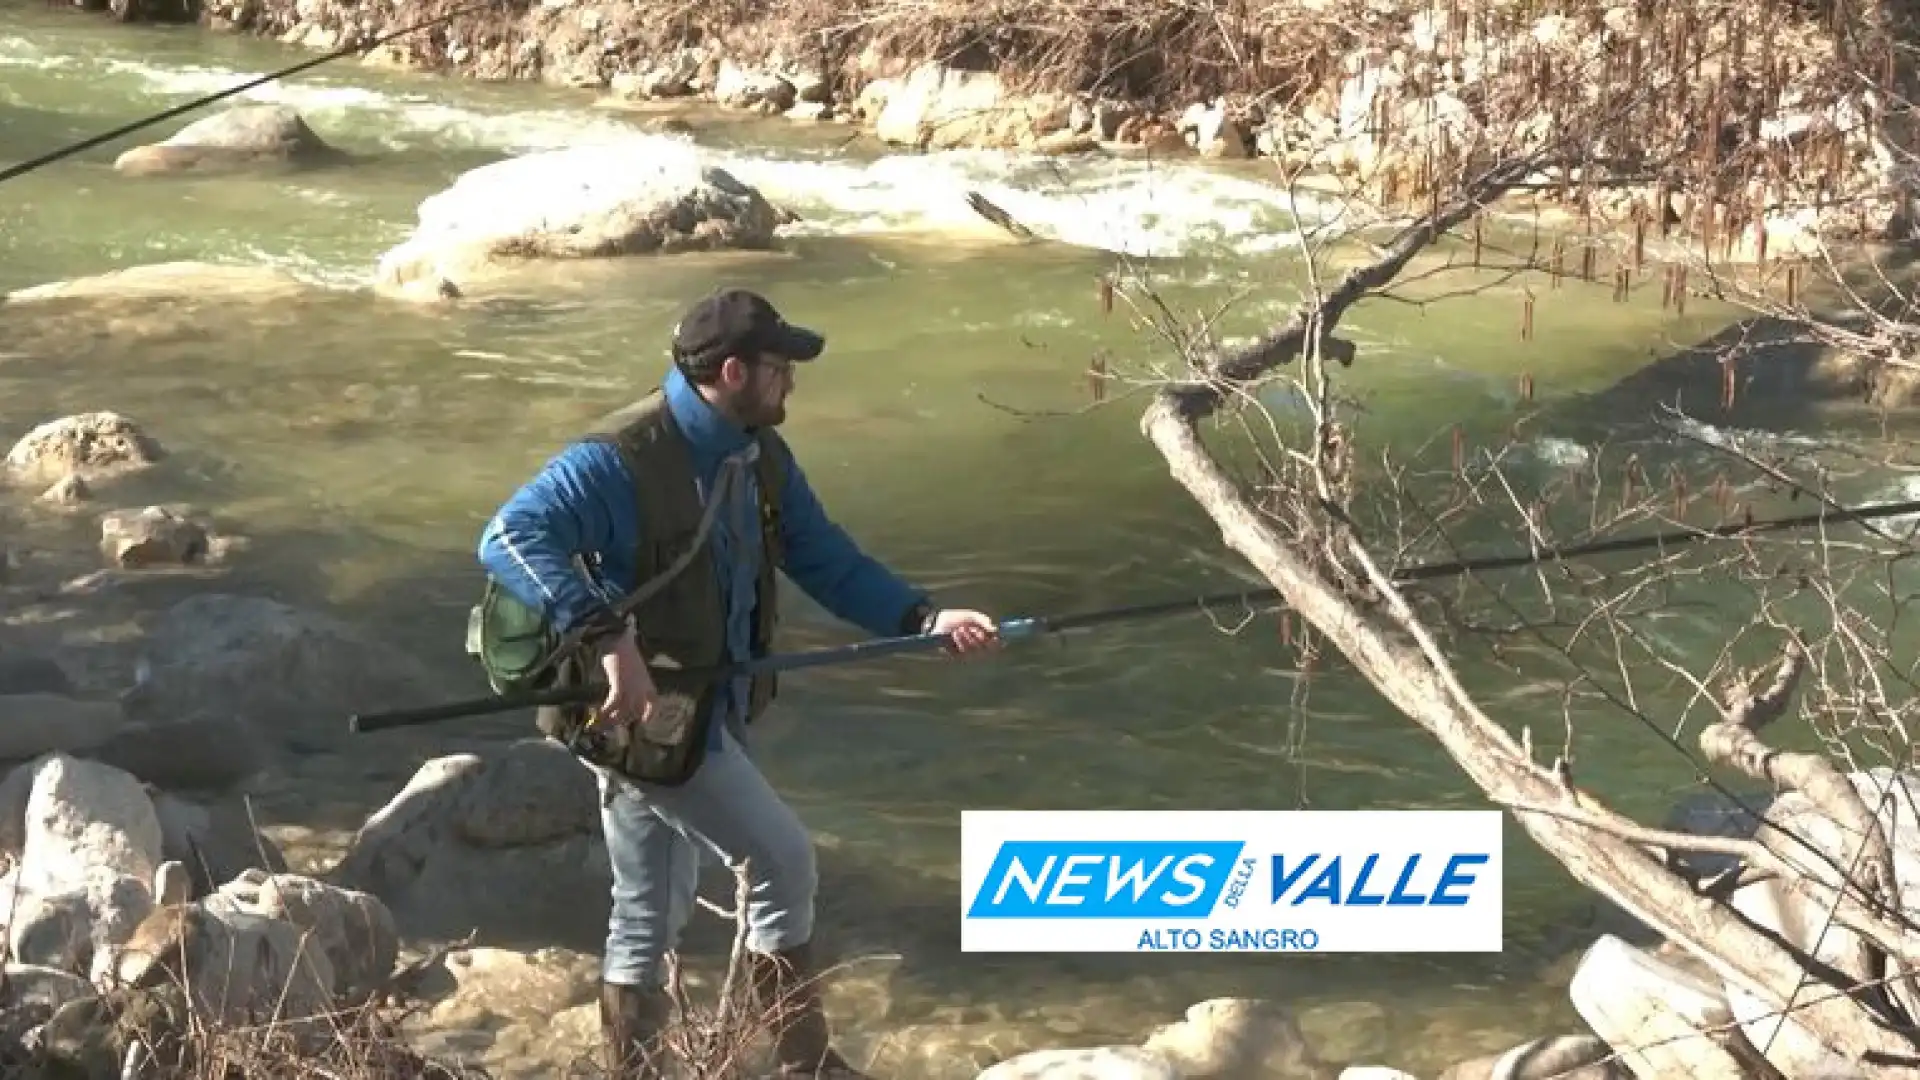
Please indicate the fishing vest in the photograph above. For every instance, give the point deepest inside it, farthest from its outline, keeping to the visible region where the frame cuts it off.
(683, 625)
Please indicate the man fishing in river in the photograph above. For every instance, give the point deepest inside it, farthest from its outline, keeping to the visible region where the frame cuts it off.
(696, 493)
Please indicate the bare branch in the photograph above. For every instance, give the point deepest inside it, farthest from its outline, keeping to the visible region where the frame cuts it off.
(1618, 869)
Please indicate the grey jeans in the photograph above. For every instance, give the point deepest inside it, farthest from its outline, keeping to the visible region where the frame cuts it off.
(655, 837)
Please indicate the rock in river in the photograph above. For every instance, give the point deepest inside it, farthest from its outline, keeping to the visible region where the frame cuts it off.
(241, 136)
(175, 281)
(648, 196)
(292, 672)
(92, 444)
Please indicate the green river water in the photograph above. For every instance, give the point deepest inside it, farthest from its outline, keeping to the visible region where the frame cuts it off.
(362, 443)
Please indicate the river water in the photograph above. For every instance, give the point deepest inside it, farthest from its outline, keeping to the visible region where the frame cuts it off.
(361, 443)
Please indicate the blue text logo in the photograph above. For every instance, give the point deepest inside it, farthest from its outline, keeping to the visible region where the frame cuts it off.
(1412, 885)
(1105, 879)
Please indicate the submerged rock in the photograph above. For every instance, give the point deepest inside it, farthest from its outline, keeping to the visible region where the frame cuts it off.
(648, 197)
(272, 663)
(28, 673)
(1226, 1037)
(184, 279)
(67, 492)
(243, 135)
(1088, 1063)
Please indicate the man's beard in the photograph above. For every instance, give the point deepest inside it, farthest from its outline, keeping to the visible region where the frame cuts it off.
(752, 412)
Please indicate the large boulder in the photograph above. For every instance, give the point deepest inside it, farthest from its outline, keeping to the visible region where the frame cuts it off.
(640, 197)
(244, 135)
(1662, 1019)
(1777, 909)
(353, 930)
(1780, 911)
(238, 967)
(92, 847)
(295, 673)
(92, 445)
(98, 905)
(33, 724)
(936, 107)
(207, 751)
(508, 843)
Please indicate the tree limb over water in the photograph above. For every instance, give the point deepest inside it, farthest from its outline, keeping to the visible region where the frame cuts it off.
(1850, 993)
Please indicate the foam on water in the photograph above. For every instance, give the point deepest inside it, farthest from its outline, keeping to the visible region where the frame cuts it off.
(1561, 453)
(406, 121)
(1132, 207)
(21, 53)
(304, 267)
(1898, 489)
(1138, 208)
(1739, 439)
(303, 92)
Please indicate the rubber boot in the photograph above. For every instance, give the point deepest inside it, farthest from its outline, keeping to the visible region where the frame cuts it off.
(787, 990)
(632, 1021)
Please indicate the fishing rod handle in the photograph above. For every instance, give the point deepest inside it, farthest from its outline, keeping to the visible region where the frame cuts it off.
(360, 723)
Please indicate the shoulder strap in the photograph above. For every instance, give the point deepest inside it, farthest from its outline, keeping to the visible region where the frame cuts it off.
(645, 590)
(771, 469)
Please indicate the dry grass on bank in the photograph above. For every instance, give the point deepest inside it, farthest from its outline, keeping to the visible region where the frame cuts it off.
(152, 1035)
(147, 1031)
(1161, 54)
(1691, 67)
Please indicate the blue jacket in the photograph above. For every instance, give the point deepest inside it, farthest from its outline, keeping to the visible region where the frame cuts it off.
(582, 502)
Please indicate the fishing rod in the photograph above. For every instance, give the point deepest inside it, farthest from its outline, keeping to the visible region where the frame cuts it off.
(89, 143)
(1021, 629)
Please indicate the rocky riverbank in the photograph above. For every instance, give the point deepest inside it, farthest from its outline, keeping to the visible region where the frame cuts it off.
(156, 712)
(1376, 98)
